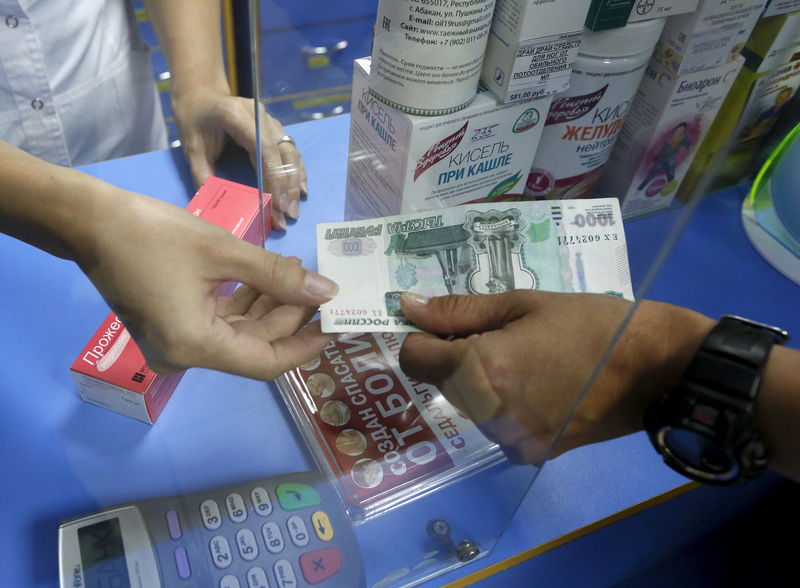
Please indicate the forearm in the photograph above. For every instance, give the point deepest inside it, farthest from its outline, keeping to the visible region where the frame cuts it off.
(46, 205)
(189, 32)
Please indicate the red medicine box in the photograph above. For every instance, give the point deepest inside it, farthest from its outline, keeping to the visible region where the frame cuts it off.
(111, 371)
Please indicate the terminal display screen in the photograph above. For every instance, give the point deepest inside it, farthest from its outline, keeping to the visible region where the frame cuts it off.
(103, 555)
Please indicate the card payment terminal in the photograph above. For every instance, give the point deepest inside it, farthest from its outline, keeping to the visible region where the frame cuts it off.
(288, 531)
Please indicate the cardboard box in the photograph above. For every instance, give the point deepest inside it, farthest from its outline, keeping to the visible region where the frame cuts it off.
(401, 163)
(667, 121)
(748, 115)
(774, 42)
(111, 371)
(776, 7)
(532, 47)
(712, 35)
(611, 14)
(762, 90)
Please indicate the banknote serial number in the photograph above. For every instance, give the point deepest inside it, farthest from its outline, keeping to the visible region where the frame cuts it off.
(582, 239)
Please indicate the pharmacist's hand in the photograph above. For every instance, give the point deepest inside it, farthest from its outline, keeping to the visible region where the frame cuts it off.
(159, 268)
(206, 120)
(520, 361)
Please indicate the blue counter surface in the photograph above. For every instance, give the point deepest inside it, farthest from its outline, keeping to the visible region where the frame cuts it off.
(62, 457)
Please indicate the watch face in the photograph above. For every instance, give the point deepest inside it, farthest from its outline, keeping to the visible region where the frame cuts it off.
(698, 456)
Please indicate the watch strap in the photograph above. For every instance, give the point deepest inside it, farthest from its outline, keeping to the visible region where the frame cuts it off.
(732, 357)
(716, 396)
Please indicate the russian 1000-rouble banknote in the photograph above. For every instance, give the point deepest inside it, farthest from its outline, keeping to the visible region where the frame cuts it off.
(559, 245)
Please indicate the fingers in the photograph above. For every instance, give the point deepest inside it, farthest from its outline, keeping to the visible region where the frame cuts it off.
(283, 170)
(201, 167)
(237, 303)
(284, 173)
(248, 355)
(428, 358)
(277, 322)
(462, 315)
(279, 277)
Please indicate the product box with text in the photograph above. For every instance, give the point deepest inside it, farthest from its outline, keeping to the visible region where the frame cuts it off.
(753, 107)
(532, 47)
(774, 42)
(111, 371)
(382, 436)
(761, 93)
(665, 125)
(401, 163)
(776, 7)
(713, 34)
(612, 14)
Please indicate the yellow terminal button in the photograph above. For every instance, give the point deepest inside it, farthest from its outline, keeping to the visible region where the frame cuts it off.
(322, 525)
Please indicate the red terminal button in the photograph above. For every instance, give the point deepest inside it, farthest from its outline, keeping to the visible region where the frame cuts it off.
(320, 565)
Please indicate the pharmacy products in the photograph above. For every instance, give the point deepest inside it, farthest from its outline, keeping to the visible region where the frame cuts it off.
(399, 162)
(583, 123)
(532, 47)
(667, 121)
(427, 55)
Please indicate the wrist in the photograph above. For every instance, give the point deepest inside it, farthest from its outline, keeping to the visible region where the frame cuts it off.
(90, 206)
(705, 426)
(668, 336)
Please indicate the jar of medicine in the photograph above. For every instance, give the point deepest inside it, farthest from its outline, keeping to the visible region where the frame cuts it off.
(583, 122)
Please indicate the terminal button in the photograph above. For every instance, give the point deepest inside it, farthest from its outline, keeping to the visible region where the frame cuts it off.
(229, 581)
(257, 578)
(182, 563)
(322, 525)
(273, 538)
(209, 512)
(261, 501)
(236, 507)
(246, 542)
(320, 565)
(174, 525)
(297, 531)
(220, 551)
(297, 496)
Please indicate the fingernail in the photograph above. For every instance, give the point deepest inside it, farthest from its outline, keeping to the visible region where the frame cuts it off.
(278, 221)
(415, 299)
(283, 201)
(318, 285)
(304, 188)
(294, 209)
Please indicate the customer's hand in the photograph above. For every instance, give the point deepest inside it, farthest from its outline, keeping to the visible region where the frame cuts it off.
(517, 363)
(206, 120)
(159, 268)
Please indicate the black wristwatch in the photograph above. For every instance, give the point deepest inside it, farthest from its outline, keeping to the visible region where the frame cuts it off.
(703, 427)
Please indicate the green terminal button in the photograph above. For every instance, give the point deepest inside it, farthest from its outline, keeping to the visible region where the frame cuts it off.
(297, 496)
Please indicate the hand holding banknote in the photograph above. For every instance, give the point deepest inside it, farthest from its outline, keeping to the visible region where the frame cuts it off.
(517, 363)
(486, 248)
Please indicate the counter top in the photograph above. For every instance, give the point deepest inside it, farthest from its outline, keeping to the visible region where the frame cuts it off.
(62, 457)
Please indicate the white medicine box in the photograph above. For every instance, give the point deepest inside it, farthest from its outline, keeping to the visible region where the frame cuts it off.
(532, 47)
(401, 163)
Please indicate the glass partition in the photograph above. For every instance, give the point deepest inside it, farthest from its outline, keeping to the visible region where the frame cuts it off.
(427, 489)
(412, 482)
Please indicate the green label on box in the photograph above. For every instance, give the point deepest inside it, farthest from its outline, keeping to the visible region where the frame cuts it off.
(608, 14)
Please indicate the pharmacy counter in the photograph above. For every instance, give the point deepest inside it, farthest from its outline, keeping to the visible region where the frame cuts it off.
(62, 457)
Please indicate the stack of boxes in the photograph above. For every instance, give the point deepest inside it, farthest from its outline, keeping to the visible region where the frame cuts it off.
(401, 163)
(767, 82)
(612, 14)
(692, 70)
